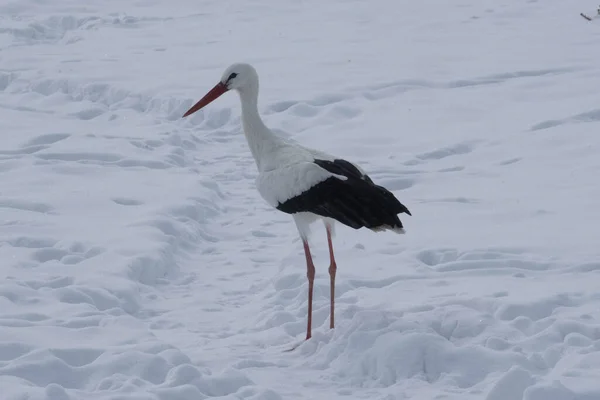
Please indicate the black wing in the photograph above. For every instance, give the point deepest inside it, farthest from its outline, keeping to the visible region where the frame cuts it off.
(355, 201)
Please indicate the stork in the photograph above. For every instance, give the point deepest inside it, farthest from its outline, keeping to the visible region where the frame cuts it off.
(308, 184)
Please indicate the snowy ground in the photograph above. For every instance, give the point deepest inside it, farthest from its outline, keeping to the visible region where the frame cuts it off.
(139, 262)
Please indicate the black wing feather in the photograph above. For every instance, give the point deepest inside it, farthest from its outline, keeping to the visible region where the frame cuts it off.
(356, 201)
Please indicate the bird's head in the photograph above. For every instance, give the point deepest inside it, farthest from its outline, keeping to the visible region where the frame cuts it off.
(239, 77)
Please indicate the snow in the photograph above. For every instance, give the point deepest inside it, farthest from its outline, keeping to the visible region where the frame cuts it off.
(139, 261)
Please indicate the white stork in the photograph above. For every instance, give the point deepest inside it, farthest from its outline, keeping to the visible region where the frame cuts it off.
(307, 183)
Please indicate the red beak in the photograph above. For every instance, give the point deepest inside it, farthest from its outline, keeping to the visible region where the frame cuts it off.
(214, 93)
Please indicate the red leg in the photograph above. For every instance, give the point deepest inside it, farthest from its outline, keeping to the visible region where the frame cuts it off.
(310, 274)
(332, 271)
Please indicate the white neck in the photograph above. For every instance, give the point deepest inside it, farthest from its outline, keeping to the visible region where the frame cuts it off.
(262, 142)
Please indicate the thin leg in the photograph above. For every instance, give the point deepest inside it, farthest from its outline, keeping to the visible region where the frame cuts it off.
(310, 274)
(332, 271)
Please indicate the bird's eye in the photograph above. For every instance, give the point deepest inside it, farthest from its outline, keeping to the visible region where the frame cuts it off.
(233, 75)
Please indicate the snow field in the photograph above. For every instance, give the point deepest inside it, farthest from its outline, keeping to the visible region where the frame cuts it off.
(138, 261)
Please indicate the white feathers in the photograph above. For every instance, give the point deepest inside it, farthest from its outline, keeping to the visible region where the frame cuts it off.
(383, 228)
(281, 184)
(304, 220)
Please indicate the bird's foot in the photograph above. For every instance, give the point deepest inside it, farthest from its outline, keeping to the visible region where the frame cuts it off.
(293, 348)
(296, 345)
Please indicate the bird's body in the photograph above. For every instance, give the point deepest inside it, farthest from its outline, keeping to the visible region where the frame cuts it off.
(308, 184)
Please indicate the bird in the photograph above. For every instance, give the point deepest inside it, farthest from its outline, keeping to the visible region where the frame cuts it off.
(308, 184)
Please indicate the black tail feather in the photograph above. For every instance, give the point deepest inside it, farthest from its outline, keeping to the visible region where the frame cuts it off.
(365, 205)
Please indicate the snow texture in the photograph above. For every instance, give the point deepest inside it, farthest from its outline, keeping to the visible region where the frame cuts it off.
(139, 262)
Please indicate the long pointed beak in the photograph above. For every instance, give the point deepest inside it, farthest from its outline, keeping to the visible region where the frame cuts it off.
(212, 95)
